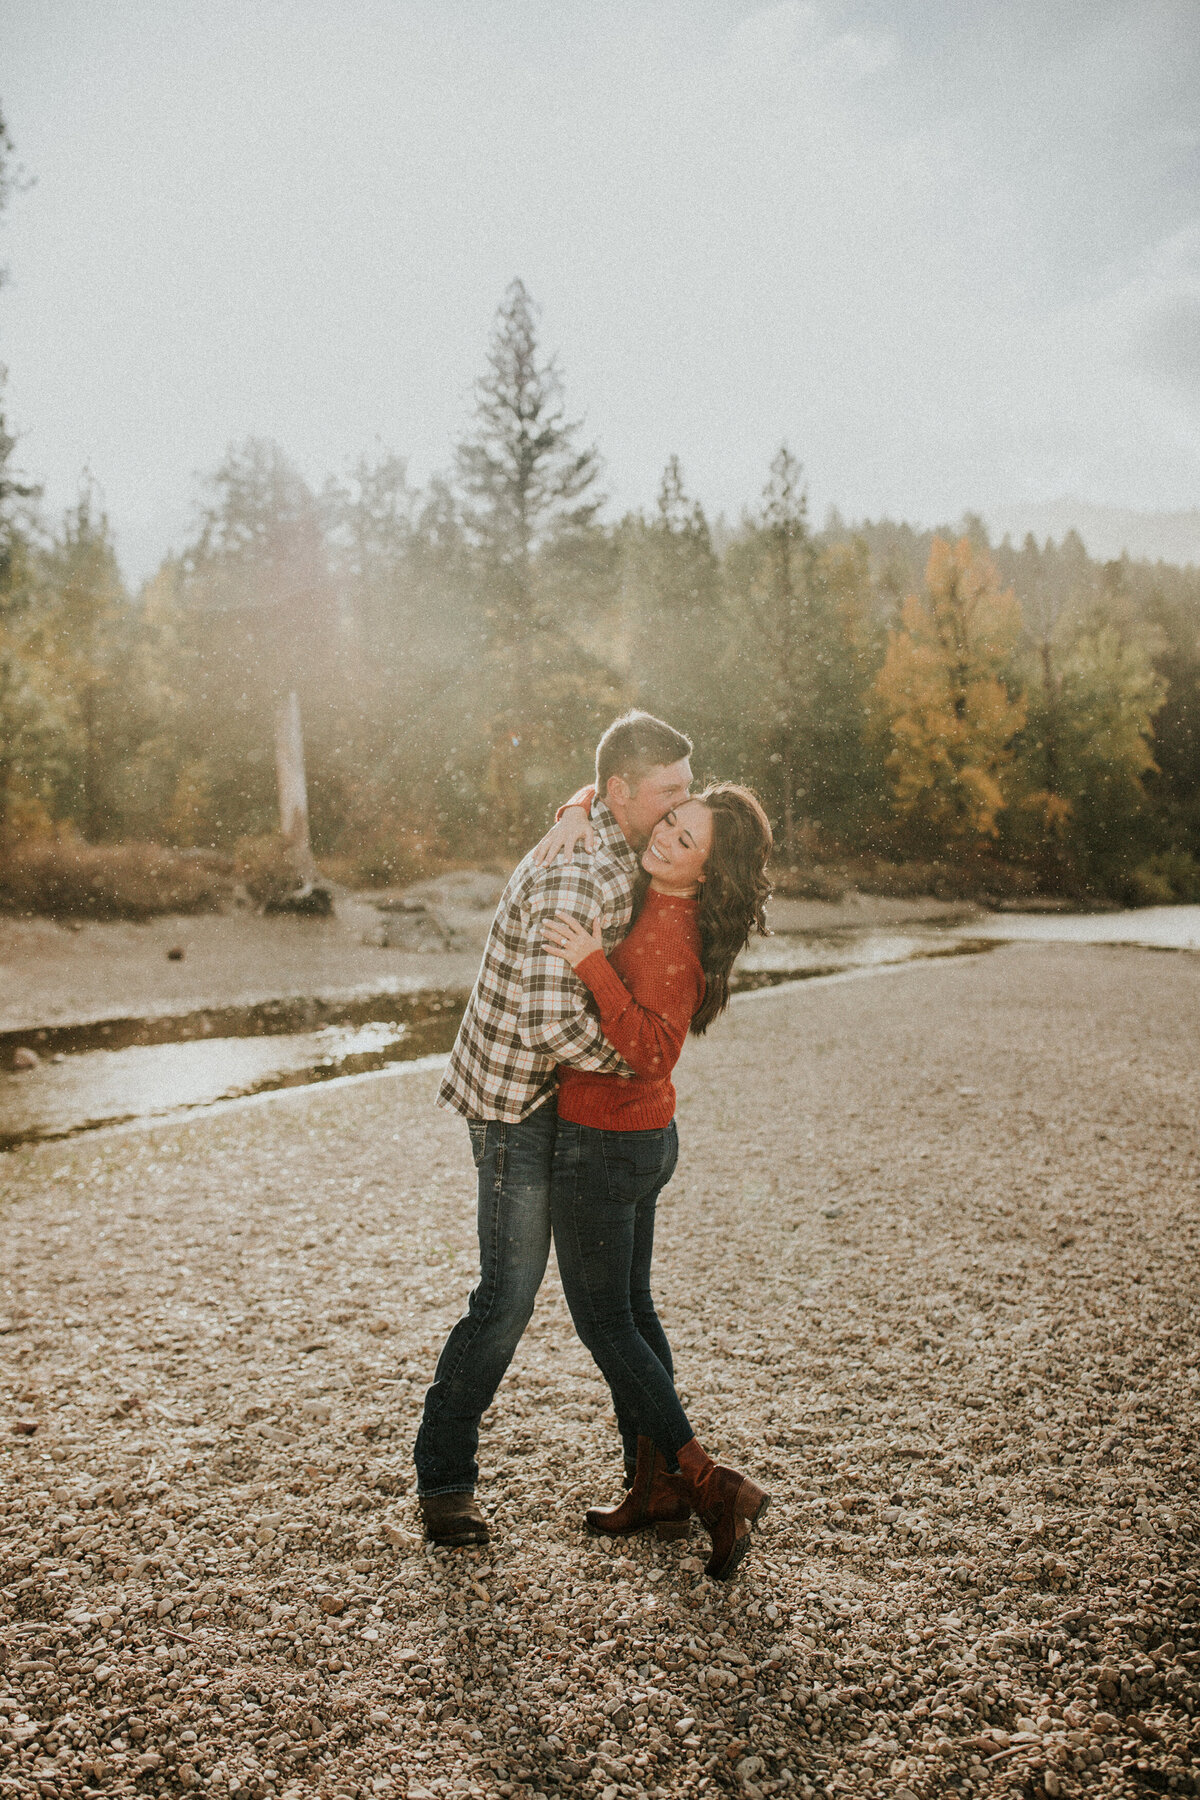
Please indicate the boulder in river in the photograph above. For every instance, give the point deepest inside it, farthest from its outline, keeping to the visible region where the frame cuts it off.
(312, 900)
(408, 923)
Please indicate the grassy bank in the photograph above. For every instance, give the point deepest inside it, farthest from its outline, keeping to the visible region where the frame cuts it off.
(66, 878)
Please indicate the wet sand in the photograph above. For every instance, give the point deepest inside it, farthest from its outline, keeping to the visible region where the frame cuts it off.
(929, 1269)
(53, 974)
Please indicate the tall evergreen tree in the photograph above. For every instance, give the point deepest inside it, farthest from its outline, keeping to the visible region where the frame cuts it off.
(35, 712)
(845, 779)
(773, 576)
(369, 528)
(90, 613)
(1172, 613)
(530, 514)
(524, 474)
(1089, 743)
(676, 642)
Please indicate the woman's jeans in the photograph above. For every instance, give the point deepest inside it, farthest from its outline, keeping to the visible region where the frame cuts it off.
(603, 1197)
(513, 1164)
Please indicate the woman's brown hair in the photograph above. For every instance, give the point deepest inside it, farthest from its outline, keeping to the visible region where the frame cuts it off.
(732, 900)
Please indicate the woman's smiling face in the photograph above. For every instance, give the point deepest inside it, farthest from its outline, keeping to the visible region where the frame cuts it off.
(678, 849)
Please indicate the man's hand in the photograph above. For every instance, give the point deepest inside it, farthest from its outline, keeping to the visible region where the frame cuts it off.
(573, 828)
(564, 936)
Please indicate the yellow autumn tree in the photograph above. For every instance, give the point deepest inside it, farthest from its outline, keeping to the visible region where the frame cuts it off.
(943, 699)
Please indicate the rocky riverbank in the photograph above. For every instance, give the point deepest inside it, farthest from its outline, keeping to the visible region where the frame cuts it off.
(60, 975)
(929, 1268)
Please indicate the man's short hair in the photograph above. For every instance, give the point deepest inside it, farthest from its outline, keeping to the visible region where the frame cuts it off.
(633, 745)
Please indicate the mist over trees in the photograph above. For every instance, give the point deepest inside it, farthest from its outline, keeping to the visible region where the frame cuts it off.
(894, 694)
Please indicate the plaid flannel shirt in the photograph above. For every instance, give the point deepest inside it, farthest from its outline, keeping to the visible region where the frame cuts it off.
(529, 1011)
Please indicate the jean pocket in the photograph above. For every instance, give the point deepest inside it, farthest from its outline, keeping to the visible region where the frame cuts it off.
(637, 1163)
(478, 1131)
(670, 1152)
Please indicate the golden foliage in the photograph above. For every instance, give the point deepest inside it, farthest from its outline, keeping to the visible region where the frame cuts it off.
(943, 698)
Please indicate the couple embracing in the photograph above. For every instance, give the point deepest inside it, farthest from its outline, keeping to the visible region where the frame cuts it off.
(595, 969)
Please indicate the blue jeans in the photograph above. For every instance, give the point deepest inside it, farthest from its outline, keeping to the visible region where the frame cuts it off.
(606, 1184)
(514, 1165)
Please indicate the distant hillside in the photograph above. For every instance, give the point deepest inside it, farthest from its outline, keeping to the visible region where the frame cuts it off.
(1107, 531)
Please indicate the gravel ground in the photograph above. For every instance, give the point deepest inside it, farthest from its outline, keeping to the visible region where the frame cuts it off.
(929, 1267)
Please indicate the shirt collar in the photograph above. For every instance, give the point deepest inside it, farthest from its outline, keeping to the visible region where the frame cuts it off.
(612, 838)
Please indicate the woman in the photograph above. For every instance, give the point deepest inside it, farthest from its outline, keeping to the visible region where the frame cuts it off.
(616, 1147)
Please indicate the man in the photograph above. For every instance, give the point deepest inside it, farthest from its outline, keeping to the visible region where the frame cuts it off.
(527, 1014)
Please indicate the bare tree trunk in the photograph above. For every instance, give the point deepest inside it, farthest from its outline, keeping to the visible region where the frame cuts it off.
(293, 788)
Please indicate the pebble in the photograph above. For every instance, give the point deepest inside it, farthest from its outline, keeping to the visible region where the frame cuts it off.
(241, 1602)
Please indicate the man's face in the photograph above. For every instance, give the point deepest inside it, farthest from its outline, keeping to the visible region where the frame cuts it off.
(661, 788)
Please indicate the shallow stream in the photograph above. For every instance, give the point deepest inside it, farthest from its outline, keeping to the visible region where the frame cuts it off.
(116, 1071)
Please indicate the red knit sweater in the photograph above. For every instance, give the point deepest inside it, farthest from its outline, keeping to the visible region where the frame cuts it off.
(647, 993)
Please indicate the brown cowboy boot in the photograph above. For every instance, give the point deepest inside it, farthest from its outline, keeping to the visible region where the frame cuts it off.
(728, 1504)
(656, 1501)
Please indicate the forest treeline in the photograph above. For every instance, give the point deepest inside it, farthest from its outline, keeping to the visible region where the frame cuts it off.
(1018, 713)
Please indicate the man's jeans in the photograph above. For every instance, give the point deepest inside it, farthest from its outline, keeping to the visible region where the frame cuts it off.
(606, 1184)
(514, 1165)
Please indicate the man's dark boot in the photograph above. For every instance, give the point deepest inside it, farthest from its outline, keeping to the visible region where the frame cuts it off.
(453, 1519)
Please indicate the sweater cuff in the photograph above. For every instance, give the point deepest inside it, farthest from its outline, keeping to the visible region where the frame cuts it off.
(601, 979)
(582, 797)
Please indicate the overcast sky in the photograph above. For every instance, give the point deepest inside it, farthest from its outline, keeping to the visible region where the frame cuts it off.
(950, 251)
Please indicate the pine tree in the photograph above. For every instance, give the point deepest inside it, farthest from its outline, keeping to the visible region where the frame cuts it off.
(35, 710)
(368, 524)
(90, 610)
(525, 478)
(784, 615)
(1089, 746)
(530, 516)
(772, 579)
(845, 778)
(677, 644)
(260, 558)
(1173, 615)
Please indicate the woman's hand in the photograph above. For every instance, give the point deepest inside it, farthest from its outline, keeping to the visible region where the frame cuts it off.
(573, 828)
(564, 936)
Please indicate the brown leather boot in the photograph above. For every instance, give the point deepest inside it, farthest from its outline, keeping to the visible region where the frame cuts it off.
(728, 1504)
(454, 1520)
(656, 1501)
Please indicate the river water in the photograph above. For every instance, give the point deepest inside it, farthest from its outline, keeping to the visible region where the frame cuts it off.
(77, 1086)
(1153, 927)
